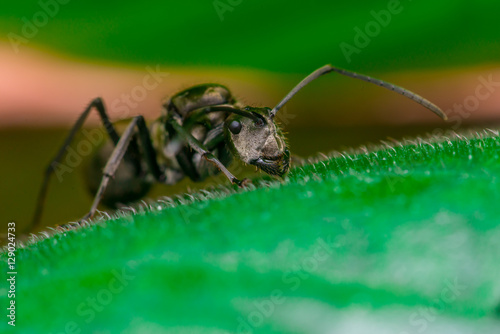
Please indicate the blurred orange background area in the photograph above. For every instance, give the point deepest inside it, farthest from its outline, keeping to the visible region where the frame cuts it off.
(39, 88)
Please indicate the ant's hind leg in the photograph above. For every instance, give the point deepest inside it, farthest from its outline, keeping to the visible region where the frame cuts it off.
(99, 105)
(119, 153)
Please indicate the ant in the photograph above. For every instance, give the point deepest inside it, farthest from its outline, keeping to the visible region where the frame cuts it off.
(199, 131)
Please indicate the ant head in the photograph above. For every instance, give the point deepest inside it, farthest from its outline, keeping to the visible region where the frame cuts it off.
(254, 138)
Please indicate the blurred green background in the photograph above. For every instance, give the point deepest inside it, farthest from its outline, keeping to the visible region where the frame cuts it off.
(284, 39)
(279, 36)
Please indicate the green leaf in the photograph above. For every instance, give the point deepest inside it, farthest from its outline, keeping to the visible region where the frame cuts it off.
(399, 239)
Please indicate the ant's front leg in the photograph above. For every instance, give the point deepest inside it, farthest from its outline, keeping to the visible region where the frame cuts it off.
(202, 150)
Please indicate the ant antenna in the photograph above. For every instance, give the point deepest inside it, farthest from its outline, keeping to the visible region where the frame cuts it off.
(329, 68)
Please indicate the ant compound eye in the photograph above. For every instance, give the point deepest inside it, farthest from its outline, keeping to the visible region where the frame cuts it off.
(235, 127)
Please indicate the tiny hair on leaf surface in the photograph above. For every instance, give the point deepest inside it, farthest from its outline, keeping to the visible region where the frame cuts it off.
(364, 239)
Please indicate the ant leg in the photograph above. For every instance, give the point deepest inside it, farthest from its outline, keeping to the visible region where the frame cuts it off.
(99, 105)
(118, 154)
(198, 147)
(148, 150)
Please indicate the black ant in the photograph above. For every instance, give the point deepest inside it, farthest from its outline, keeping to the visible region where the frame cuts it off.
(198, 133)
